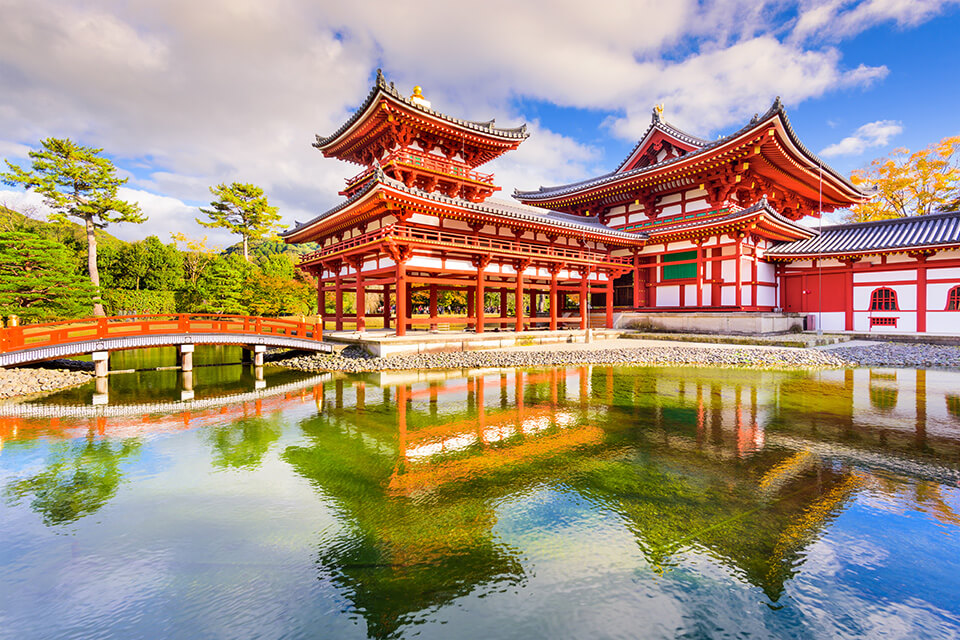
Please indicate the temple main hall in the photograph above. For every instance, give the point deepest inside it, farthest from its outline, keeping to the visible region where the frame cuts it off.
(683, 226)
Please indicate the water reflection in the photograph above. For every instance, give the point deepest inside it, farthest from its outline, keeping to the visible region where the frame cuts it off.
(77, 480)
(449, 489)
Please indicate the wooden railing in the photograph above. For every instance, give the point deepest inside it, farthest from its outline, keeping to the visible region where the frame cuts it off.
(429, 162)
(481, 243)
(80, 330)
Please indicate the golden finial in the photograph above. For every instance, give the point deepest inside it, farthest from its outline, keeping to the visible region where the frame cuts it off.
(658, 109)
(418, 99)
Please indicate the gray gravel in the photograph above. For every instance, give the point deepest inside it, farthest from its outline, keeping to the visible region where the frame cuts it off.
(354, 360)
(21, 382)
(898, 354)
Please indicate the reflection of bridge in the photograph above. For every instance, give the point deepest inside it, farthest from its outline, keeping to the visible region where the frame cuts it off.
(99, 336)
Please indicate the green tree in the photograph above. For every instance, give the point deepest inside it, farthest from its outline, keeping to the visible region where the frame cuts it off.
(277, 288)
(39, 279)
(76, 181)
(221, 287)
(242, 209)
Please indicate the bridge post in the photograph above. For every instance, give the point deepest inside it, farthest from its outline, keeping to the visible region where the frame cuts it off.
(101, 363)
(186, 385)
(246, 356)
(258, 351)
(186, 357)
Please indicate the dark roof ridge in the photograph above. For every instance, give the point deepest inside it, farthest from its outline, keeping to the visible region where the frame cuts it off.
(380, 86)
(901, 220)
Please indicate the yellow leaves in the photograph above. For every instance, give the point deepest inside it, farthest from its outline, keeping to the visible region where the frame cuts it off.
(918, 183)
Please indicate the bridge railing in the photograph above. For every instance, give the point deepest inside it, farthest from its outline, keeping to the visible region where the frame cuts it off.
(79, 330)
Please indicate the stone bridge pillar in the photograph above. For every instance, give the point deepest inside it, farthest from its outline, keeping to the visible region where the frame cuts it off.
(101, 363)
(186, 357)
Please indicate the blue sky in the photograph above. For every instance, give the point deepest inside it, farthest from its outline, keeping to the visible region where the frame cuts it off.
(184, 95)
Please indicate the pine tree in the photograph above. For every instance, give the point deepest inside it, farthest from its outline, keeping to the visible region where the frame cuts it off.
(76, 181)
(242, 209)
(39, 280)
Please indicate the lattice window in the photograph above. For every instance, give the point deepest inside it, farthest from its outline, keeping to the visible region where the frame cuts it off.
(953, 299)
(883, 322)
(883, 299)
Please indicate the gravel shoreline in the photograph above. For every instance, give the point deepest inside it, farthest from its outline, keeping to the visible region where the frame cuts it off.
(353, 360)
(22, 382)
(899, 354)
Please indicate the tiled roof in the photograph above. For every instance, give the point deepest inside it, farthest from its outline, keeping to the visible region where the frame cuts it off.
(916, 232)
(381, 86)
(503, 208)
(546, 193)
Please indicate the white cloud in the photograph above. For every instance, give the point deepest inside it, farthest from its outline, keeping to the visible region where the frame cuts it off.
(835, 19)
(868, 136)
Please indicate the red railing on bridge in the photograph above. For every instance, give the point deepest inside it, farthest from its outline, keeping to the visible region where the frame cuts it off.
(80, 330)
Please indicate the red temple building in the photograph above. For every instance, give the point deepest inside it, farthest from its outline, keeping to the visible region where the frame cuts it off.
(682, 225)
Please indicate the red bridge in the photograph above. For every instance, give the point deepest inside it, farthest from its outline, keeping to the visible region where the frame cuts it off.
(36, 342)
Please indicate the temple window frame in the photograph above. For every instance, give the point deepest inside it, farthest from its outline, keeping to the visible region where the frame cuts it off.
(953, 299)
(884, 299)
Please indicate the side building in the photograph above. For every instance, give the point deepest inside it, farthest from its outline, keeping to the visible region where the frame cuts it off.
(727, 226)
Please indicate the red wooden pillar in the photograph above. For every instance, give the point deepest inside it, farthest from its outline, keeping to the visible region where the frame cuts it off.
(518, 300)
(921, 292)
(386, 306)
(847, 296)
(636, 279)
(433, 307)
(480, 302)
(503, 306)
(322, 302)
(701, 268)
(471, 299)
(585, 274)
(609, 301)
(402, 295)
(361, 303)
(338, 324)
(753, 274)
(738, 253)
(553, 297)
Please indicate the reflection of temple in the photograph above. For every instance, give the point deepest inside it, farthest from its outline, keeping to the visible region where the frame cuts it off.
(692, 462)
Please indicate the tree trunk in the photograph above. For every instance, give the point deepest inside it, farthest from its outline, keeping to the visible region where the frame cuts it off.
(92, 266)
(246, 256)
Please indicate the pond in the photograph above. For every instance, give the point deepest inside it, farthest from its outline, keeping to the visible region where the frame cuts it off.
(565, 503)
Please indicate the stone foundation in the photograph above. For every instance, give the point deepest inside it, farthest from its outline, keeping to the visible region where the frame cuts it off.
(725, 322)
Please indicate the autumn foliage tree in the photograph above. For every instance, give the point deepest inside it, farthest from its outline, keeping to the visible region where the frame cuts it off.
(911, 184)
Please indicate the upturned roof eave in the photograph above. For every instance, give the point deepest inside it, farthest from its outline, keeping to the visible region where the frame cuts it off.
(546, 194)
